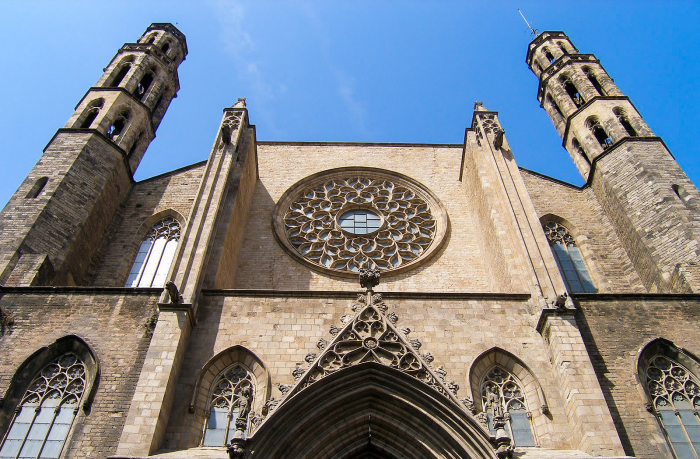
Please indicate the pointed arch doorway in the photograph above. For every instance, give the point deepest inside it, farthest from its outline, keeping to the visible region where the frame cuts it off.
(368, 411)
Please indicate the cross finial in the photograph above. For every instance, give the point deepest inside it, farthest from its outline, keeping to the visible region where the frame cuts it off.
(533, 31)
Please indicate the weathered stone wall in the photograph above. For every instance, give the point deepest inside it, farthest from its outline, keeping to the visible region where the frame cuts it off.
(282, 330)
(615, 328)
(113, 324)
(170, 194)
(578, 210)
(460, 265)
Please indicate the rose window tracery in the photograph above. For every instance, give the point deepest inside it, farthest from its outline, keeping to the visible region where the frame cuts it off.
(669, 382)
(360, 219)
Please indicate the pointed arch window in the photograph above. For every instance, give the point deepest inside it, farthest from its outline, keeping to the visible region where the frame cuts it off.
(502, 395)
(624, 121)
(571, 90)
(548, 54)
(155, 255)
(675, 395)
(229, 405)
(45, 414)
(599, 133)
(590, 74)
(569, 259)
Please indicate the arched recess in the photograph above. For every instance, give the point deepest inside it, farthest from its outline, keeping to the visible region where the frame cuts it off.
(31, 366)
(370, 410)
(662, 346)
(535, 400)
(582, 242)
(213, 368)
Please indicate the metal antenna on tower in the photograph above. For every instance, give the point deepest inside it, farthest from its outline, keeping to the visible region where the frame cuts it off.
(533, 31)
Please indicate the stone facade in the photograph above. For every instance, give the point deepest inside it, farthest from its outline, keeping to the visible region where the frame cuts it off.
(260, 347)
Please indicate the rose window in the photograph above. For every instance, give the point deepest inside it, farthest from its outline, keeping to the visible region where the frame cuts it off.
(352, 218)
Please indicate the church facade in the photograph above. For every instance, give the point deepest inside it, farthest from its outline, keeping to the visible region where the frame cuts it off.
(350, 300)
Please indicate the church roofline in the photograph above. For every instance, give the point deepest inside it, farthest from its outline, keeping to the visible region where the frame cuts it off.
(367, 144)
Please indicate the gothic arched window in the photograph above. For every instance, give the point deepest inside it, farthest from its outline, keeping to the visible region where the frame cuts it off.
(624, 121)
(574, 93)
(598, 132)
(502, 395)
(675, 395)
(229, 405)
(155, 255)
(569, 259)
(46, 412)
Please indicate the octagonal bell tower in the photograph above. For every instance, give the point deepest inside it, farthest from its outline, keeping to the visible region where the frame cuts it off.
(654, 207)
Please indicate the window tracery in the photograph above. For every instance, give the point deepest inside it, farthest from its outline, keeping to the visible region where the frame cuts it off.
(502, 395)
(155, 255)
(568, 258)
(230, 400)
(41, 423)
(675, 395)
(343, 222)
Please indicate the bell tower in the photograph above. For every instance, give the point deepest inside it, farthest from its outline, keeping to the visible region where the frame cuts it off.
(53, 224)
(651, 203)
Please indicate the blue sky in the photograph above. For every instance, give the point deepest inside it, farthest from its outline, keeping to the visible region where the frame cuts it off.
(361, 71)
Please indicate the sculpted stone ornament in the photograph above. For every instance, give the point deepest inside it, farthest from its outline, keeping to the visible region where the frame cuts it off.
(173, 293)
(416, 343)
(428, 356)
(284, 388)
(321, 345)
(498, 140)
(310, 357)
(369, 278)
(345, 318)
(240, 103)
(405, 331)
(236, 449)
(334, 330)
(393, 318)
(453, 386)
(440, 371)
(469, 404)
(298, 372)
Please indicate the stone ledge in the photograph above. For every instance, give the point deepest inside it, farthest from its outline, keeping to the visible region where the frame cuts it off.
(353, 294)
(32, 290)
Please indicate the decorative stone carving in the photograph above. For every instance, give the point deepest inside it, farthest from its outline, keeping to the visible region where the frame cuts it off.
(669, 383)
(229, 126)
(377, 298)
(284, 388)
(428, 358)
(298, 372)
(406, 331)
(469, 404)
(334, 330)
(416, 343)
(255, 421)
(393, 318)
(321, 345)
(345, 318)
(173, 293)
(453, 387)
(310, 357)
(271, 405)
(409, 222)
(369, 278)
(440, 371)
(483, 419)
(240, 103)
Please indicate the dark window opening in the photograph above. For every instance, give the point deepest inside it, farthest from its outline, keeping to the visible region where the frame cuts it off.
(120, 75)
(599, 133)
(573, 93)
(92, 114)
(579, 150)
(549, 56)
(166, 47)
(594, 81)
(118, 126)
(562, 47)
(143, 85)
(539, 67)
(150, 39)
(622, 118)
(37, 188)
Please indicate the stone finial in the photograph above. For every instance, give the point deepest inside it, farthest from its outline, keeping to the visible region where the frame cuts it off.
(369, 278)
(240, 103)
(175, 296)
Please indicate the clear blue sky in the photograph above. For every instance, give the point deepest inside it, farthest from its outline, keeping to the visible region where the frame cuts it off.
(363, 71)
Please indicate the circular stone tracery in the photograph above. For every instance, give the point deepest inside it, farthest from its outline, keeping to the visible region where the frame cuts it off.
(350, 218)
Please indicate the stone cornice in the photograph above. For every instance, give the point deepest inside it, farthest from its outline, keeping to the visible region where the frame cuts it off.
(43, 290)
(271, 293)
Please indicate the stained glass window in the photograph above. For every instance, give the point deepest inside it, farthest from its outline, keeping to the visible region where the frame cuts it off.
(46, 412)
(501, 392)
(675, 394)
(230, 400)
(155, 255)
(569, 259)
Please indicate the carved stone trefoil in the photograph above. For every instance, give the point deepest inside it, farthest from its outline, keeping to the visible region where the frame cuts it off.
(369, 278)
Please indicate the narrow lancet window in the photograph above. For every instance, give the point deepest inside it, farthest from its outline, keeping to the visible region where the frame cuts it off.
(143, 85)
(229, 405)
(562, 47)
(120, 75)
(569, 259)
(625, 122)
(675, 395)
(548, 54)
(91, 113)
(37, 188)
(571, 90)
(590, 74)
(45, 414)
(579, 150)
(502, 395)
(118, 125)
(155, 255)
(599, 132)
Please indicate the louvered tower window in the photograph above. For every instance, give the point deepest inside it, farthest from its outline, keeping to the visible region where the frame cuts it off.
(569, 259)
(46, 412)
(155, 255)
